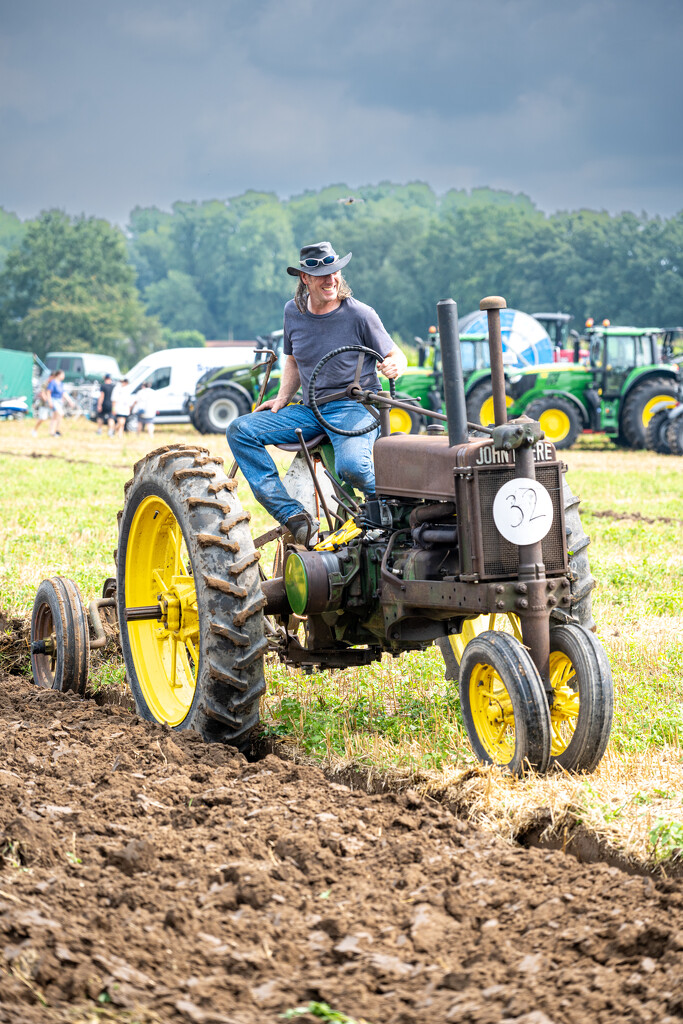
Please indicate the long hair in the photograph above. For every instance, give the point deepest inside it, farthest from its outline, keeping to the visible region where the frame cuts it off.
(301, 294)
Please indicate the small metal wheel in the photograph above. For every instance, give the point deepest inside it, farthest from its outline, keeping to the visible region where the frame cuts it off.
(60, 651)
(503, 702)
(583, 698)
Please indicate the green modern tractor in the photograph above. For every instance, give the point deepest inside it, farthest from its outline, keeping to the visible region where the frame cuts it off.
(625, 380)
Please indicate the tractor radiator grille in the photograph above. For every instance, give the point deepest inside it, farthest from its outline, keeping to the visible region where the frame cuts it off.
(501, 558)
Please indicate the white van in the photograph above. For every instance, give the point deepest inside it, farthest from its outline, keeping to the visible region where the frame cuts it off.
(80, 367)
(174, 372)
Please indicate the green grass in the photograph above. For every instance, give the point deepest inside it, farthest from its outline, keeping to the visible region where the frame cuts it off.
(409, 716)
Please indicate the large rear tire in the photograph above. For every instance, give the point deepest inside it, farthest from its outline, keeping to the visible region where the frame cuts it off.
(185, 547)
(504, 705)
(217, 408)
(581, 579)
(638, 404)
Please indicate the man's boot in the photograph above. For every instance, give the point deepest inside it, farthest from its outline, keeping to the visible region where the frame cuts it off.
(303, 528)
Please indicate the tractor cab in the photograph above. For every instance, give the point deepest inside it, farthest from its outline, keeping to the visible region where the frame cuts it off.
(621, 354)
(557, 326)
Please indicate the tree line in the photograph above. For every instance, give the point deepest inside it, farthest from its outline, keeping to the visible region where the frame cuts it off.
(217, 269)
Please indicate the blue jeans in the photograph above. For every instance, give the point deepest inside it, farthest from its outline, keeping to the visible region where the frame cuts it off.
(248, 436)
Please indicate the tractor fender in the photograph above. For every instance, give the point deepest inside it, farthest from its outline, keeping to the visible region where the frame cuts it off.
(635, 379)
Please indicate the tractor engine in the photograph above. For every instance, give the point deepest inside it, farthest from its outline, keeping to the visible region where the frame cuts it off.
(393, 580)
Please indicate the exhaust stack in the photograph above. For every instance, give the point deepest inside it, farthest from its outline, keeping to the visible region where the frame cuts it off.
(453, 383)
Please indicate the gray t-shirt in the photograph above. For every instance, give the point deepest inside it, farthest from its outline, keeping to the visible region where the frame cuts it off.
(309, 337)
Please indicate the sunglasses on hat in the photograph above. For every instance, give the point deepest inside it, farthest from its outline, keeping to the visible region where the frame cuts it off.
(324, 262)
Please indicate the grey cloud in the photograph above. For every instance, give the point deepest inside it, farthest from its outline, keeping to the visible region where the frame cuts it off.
(105, 106)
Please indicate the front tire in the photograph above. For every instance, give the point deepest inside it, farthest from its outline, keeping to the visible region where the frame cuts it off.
(403, 422)
(656, 431)
(559, 419)
(217, 408)
(583, 698)
(504, 706)
(582, 583)
(185, 547)
(674, 436)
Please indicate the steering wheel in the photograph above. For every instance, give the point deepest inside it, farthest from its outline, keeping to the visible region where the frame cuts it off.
(347, 392)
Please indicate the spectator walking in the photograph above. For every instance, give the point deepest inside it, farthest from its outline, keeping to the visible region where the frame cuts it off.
(58, 397)
(104, 405)
(122, 405)
(146, 408)
(42, 405)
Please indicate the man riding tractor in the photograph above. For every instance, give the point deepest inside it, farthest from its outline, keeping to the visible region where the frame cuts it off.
(322, 316)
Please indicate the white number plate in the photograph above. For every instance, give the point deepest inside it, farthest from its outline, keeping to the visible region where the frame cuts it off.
(523, 511)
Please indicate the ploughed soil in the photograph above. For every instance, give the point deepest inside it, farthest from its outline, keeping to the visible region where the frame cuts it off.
(146, 876)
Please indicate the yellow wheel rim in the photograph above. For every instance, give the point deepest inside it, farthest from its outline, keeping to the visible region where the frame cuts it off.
(649, 406)
(486, 413)
(564, 712)
(555, 424)
(400, 421)
(473, 627)
(492, 713)
(165, 653)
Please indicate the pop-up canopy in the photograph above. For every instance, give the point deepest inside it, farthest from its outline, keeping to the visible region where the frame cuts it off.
(522, 336)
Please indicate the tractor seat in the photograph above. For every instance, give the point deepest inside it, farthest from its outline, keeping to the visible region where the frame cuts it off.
(296, 447)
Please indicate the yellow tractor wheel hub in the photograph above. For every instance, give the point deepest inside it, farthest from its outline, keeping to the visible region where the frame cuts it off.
(165, 651)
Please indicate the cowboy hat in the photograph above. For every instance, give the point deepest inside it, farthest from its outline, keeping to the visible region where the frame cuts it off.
(319, 260)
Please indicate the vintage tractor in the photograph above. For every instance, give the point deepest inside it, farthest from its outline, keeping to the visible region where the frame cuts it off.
(471, 542)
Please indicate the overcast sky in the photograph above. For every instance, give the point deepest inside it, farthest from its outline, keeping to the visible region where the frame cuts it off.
(109, 104)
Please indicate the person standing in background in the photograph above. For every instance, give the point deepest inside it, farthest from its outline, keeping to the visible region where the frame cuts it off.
(146, 408)
(104, 405)
(58, 396)
(122, 405)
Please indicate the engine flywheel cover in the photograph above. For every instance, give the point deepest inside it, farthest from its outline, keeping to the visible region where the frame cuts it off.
(307, 580)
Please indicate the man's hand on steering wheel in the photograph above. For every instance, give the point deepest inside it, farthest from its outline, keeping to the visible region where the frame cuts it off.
(393, 365)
